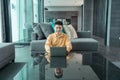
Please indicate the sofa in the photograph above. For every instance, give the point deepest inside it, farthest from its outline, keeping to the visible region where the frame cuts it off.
(7, 53)
(84, 42)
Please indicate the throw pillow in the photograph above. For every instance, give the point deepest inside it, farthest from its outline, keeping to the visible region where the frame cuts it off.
(67, 31)
(73, 32)
(46, 28)
(53, 26)
(38, 31)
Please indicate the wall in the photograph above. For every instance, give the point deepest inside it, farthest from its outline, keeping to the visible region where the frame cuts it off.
(66, 12)
(99, 19)
(88, 15)
(80, 18)
(115, 23)
(106, 21)
(73, 15)
(60, 14)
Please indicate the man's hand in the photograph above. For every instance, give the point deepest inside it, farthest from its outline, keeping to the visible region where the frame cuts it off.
(67, 53)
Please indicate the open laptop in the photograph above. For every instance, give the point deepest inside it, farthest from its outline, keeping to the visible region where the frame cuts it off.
(58, 51)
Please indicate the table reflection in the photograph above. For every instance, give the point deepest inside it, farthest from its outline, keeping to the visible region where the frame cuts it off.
(81, 66)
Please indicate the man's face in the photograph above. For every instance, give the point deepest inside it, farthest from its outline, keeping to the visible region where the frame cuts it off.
(58, 28)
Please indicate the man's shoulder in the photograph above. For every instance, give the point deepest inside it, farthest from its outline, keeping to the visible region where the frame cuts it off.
(65, 35)
(52, 34)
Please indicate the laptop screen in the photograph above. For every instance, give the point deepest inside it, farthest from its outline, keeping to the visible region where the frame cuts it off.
(58, 51)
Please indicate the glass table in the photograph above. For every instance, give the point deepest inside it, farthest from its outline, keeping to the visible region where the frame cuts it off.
(81, 66)
(14, 71)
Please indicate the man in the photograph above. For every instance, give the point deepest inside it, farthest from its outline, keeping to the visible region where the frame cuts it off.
(57, 39)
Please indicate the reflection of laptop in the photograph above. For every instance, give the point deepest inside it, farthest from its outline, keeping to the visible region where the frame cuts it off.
(58, 51)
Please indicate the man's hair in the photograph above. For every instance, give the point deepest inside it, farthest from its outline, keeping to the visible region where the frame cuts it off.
(59, 23)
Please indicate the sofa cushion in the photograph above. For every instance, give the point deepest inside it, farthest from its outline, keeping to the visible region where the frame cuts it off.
(38, 31)
(67, 31)
(7, 53)
(84, 44)
(72, 31)
(84, 34)
(46, 28)
(6, 49)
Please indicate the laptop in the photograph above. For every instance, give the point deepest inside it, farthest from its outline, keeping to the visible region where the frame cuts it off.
(58, 51)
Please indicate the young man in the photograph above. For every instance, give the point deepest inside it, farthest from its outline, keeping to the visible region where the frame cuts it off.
(57, 39)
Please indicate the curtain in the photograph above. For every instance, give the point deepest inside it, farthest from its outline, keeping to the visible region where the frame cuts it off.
(3, 22)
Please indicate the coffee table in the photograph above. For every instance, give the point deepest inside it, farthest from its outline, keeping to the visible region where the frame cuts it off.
(81, 66)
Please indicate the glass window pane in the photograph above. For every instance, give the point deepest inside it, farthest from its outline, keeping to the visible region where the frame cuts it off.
(35, 10)
(18, 20)
(14, 20)
(21, 17)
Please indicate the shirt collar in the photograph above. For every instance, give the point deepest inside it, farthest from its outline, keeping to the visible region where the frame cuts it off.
(58, 35)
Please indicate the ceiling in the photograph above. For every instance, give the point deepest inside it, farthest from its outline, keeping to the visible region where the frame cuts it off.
(63, 2)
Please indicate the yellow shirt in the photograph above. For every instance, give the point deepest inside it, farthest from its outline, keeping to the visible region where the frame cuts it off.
(56, 40)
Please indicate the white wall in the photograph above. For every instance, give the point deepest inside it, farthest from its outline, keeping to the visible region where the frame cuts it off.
(63, 2)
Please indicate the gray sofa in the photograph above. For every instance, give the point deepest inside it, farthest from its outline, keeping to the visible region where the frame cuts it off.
(84, 42)
(7, 53)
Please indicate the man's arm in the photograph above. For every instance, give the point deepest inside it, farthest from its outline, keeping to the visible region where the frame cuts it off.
(68, 44)
(48, 44)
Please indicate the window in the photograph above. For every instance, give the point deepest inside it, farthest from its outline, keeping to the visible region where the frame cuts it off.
(35, 10)
(18, 20)
(14, 21)
(23, 14)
